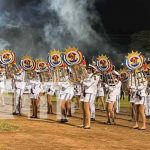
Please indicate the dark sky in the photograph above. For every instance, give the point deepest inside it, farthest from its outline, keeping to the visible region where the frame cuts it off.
(124, 16)
(118, 16)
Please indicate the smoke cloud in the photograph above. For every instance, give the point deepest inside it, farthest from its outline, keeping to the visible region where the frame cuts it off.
(3, 44)
(34, 27)
(75, 26)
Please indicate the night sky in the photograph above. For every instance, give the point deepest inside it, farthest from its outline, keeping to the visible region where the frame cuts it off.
(124, 16)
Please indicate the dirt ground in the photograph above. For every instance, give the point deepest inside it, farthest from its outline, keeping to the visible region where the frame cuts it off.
(48, 134)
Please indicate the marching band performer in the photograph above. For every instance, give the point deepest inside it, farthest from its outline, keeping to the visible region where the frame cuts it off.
(132, 98)
(64, 96)
(18, 92)
(92, 102)
(132, 88)
(84, 89)
(2, 84)
(89, 87)
(110, 101)
(50, 94)
(35, 93)
(140, 104)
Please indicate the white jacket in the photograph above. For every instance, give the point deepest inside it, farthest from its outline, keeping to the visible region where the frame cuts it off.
(2, 81)
(19, 81)
(95, 86)
(100, 89)
(111, 93)
(35, 86)
(65, 86)
(49, 86)
(141, 89)
(90, 84)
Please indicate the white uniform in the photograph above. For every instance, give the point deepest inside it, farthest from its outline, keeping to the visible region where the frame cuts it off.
(141, 90)
(133, 91)
(147, 106)
(88, 85)
(19, 89)
(2, 86)
(92, 101)
(100, 89)
(35, 88)
(118, 91)
(2, 82)
(66, 89)
(50, 88)
(111, 97)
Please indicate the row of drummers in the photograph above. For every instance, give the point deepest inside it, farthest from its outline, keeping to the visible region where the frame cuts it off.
(93, 84)
(68, 68)
(109, 86)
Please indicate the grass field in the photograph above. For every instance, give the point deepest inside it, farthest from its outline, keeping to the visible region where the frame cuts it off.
(125, 103)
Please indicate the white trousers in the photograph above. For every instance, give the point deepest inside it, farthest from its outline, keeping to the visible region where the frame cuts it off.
(92, 105)
(2, 96)
(18, 93)
(117, 103)
(147, 105)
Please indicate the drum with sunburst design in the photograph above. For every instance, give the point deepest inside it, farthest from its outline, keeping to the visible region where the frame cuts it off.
(7, 57)
(27, 63)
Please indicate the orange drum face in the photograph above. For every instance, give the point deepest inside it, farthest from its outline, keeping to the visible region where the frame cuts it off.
(134, 61)
(55, 60)
(28, 64)
(7, 57)
(73, 58)
(42, 66)
(103, 63)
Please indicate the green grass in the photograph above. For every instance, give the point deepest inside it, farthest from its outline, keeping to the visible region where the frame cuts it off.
(125, 103)
(5, 126)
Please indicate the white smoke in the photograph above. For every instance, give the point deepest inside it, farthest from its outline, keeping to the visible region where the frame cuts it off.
(3, 44)
(34, 27)
(75, 20)
(2, 20)
(7, 22)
